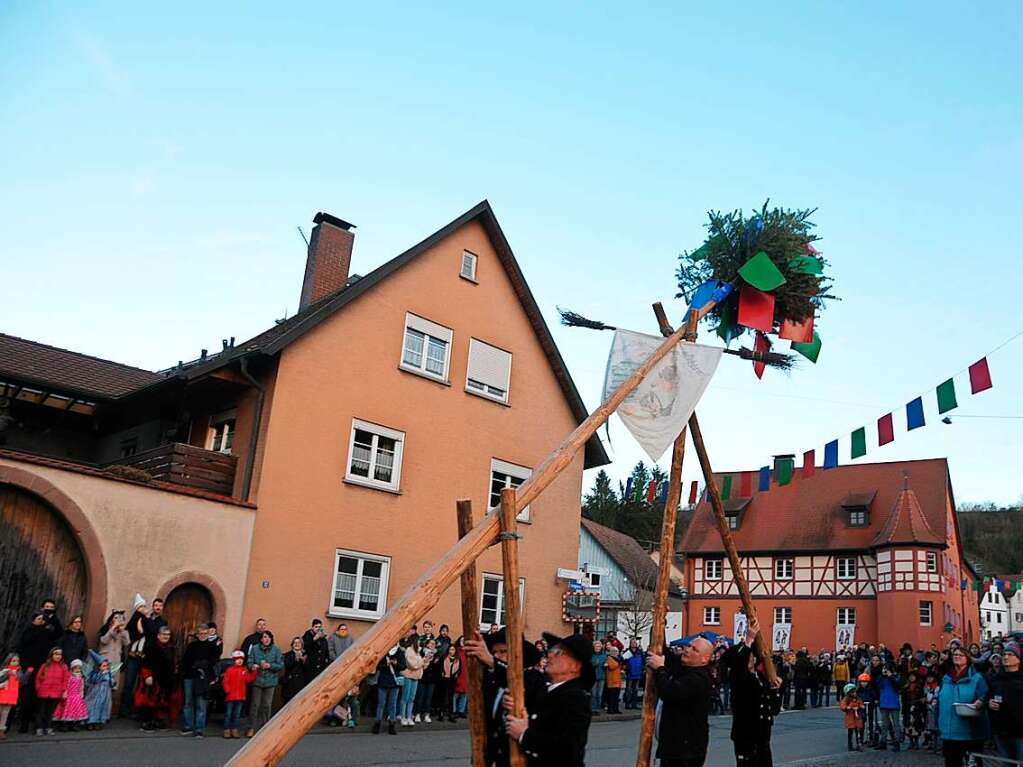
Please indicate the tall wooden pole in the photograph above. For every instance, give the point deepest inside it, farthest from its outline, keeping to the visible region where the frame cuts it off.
(714, 493)
(470, 625)
(726, 538)
(513, 615)
(285, 729)
(646, 732)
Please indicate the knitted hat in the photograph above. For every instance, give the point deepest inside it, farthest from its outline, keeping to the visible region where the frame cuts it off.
(1012, 647)
(76, 663)
(238, 654)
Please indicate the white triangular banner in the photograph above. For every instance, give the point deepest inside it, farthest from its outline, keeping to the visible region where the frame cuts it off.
(659, 408)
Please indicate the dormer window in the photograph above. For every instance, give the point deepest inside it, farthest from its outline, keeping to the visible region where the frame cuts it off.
(733, 521)
(858, 517)
(856, 507)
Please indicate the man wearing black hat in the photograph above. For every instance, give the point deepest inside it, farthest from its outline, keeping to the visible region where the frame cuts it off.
(755, 703)
(492, 653)
(684, 690)
(553, 732)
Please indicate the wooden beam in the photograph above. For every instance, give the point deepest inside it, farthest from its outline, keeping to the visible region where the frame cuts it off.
(726, 538)
(646, 732)
(513, 615)
(470, 627)
(303, 711)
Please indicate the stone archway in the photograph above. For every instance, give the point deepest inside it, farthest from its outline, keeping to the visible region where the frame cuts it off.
(48, 548)
(201, 599)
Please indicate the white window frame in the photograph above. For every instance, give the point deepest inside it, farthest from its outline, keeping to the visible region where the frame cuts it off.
(847, 612)
(594, 579)
(926, 608)
(484, 390)
(430, 330)
(218, 419)
(718, 569)
(932, 562)
(850, 575)
(499, 610)
(711, 615)
(733, 521)
(781, 613)
(510, 471)
(355, 612)
(859, 518)
(783, 573)
(399, 448)
(474, 261)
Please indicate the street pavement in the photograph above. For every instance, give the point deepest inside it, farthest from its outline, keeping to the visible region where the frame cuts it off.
(814, 738)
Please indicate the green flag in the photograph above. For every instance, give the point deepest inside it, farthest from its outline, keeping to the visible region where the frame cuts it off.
(726, 487)
(784, 468)
(761, 273)
(811, 350)
(859, 442)
(947, 396)
(726, 325)
(806, 265)
(700, 253)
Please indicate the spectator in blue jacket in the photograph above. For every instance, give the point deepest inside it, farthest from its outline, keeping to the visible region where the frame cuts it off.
(599, 662)
(962, 731)
(635, 660)
(889, 703)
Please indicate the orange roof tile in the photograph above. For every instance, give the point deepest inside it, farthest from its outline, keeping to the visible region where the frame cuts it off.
(907, 523)
(807, 514)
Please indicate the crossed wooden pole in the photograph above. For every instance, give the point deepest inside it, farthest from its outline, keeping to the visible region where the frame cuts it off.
(302, 712)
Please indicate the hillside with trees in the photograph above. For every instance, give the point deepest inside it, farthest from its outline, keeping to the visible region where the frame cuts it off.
(992, 537)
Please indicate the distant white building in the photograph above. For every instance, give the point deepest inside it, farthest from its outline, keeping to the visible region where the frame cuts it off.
(616, 566)
(999, 614)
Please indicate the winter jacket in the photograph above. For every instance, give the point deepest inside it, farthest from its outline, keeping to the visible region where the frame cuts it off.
(265, 677)
(599, 662)
(614, 674)
(200, 664)
(413, 665)
(294, 674)
(754, 703)
(462, 683)
(112, 644)
(10, 685)
(388, 670)
(867, 692)
(971, 687)
(236, 681)
(853, 708)
(1007, 721)
(888, 688)
(840, 671)
(558, 728)
(685, 703)
(34, 647)
(317, 653)
(635, 663)
(74, 646)
(337, 645)
(51, 680)
(803, 673)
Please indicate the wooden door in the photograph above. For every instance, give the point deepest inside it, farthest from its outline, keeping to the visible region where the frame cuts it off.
(39, 559)
(184, 608)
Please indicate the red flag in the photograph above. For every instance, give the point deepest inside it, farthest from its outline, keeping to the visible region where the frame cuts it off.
(692, 493)
(762, 345)
(885, 430)
(800, 332)
(746, 485)
(756, 309)
(980, 376)
(809, 463)
(651, 491)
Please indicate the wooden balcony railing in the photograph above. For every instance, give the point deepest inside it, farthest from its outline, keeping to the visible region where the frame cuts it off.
(186, 465)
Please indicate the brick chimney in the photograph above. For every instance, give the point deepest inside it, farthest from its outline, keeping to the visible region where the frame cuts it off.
(328, 260)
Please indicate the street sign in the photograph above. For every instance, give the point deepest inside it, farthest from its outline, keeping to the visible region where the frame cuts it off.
(570, 575)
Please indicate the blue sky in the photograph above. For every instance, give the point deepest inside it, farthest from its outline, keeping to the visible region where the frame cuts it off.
(157, 163)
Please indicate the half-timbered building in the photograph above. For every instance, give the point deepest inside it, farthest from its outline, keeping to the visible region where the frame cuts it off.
(867, 552)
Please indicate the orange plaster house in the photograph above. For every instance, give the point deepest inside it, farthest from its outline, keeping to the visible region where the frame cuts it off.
(327, 451)
(873, 545)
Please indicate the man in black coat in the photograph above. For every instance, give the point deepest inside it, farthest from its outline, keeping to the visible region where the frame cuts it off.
(492, 653)
(684, 691)
(553, 733)
(198, 668)
(755, 703)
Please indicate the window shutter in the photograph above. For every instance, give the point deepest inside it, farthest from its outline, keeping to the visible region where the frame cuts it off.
(489, 365)
(429, 328)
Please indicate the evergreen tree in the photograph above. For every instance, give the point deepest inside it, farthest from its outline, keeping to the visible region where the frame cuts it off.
(602, 504)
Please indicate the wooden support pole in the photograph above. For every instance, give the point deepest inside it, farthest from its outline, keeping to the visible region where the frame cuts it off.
(303, 711)
(646, 732)
(470, 626)
(726, 538)
(513, 615)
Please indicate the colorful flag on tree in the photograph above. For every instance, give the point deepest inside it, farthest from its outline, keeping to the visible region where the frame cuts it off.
(756, 309)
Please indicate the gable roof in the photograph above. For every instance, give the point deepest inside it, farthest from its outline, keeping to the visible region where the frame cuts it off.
(907, 523)
(273, 340)
(75, 373)
(808, 515)
(51, 368)
(627, 553)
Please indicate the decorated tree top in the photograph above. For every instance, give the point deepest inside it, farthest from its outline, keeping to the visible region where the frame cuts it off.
(764, 273)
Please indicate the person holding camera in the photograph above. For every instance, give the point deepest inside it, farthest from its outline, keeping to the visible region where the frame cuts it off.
(889, 704)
